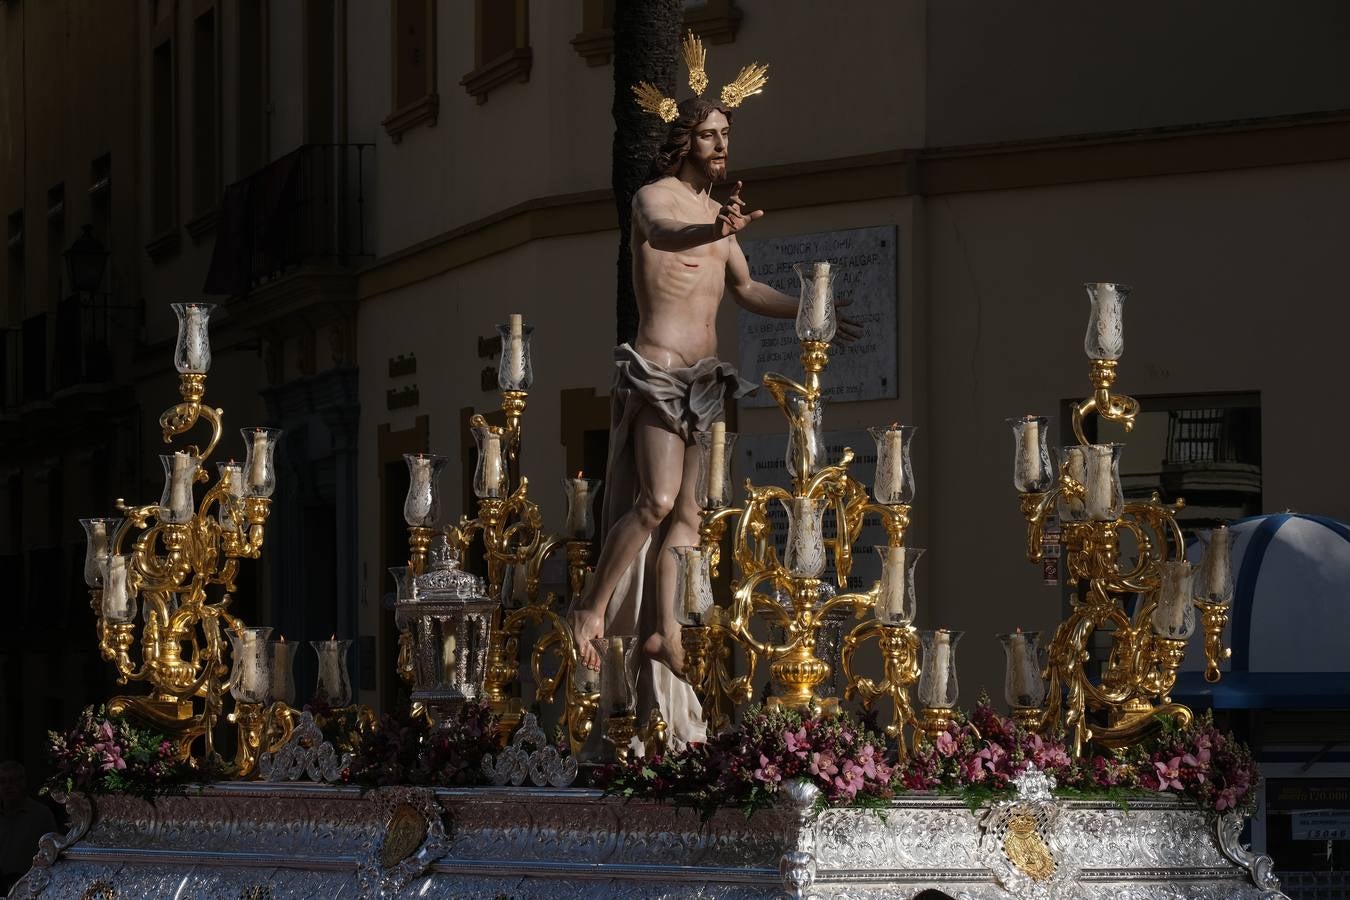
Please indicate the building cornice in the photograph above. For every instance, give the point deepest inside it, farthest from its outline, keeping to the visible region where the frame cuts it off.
(1115, 156)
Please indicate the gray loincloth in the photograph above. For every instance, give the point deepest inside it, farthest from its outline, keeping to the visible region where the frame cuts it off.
(687, 400)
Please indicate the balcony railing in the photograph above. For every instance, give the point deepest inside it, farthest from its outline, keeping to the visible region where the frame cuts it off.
(83, 345)
(308, 207)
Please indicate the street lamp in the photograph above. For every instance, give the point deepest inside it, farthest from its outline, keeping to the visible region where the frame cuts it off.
(85, 261)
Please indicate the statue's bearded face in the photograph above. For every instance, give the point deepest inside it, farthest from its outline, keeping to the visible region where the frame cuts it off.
(709, 146)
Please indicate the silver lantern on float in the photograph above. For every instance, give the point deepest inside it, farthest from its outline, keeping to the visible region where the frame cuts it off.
(450, 618)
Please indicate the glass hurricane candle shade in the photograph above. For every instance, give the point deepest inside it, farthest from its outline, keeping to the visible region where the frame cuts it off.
(1023, 684)
(693, 585)
(176, 505)
(1104, 500)
(260, 473)
(806, 440)
(618, 695)
(489, 475)
(896, 601)
(804, 555)
(1074, 466)
(334, 686)
(231, 474)
(1032, 471)
(402, 588)
(894, 482)
(580, 493)
(1213, 581)
(937, 673)
(119, 591)
(192, 351)
(586, 681)
(1174, 615)
(1105, 337)
(713, 490)
(515, 372)
(99, 534)
(516, 586)
(815, 310)
(422, 506)
(282, 688)
(251, 669)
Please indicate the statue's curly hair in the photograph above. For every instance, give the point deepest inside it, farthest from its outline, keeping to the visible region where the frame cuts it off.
(680, 137)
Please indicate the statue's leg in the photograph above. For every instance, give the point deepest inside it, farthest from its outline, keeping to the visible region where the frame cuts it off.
(681, 531)
(659, 462)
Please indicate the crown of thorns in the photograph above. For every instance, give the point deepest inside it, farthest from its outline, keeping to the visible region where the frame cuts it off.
(748, 82)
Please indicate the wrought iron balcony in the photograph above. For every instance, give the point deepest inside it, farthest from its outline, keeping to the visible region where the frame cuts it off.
(308, 207)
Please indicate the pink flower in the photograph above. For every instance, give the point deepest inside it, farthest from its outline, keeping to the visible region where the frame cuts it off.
(822, 765)
(972, 769)
(1168, 774)
(767, 771)
(797, 742)
(945, 744)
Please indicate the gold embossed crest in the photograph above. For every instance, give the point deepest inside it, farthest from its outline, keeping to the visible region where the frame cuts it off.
(1026, 849)
(405, 832)
(748, 82)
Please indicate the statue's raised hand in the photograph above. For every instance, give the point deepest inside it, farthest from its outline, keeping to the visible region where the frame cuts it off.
(732, 218)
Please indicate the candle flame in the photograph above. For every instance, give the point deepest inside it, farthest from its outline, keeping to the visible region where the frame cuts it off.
(579, 475)
(333, 637)
(895, 425)
(1019, 629)
(282, 640)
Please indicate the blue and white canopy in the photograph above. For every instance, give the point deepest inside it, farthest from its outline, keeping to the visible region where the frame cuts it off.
(1290, 621)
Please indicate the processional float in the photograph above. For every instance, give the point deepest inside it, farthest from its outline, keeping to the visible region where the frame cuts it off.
(465, 637)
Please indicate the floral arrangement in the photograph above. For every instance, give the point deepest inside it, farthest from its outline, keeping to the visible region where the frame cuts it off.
(104, 754)
(977, 757)
(841, 755)
(401, 750)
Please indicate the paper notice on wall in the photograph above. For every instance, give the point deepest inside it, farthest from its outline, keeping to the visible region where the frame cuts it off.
(865, 261)
(763, 460)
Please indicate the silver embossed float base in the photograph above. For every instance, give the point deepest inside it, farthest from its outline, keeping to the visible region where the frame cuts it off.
(262, 840)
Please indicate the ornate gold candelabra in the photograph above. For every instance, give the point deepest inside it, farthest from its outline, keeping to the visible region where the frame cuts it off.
(797, 604)
(179, 559)
(1146, 647)
(515, 548)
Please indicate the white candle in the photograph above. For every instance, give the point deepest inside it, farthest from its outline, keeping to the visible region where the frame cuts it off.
(283, 680)
(197, 345)
(578, 498)
(233, 474)
(1029, 470)
(941, 664)
(1101, 485)
(520, 584)
(116, 593)
(513, 355)
(717, 452)
(818, 305)
(619, 700)
(252, 674)
(492, 464)
(895, 581)
(330, 675)
(1019, 652)
(448, 656)
(98, 539)
(1216, 577)
(257, 460)
(692, 576)
(180, 486)
(890, 467)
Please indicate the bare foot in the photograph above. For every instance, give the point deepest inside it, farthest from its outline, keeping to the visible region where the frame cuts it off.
(586, 625)
(666, 649)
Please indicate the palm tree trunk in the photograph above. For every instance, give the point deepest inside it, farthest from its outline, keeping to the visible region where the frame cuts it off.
(646, 48)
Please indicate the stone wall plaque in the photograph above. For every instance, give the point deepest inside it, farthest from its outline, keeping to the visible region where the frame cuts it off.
(867, 261)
